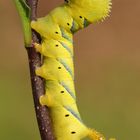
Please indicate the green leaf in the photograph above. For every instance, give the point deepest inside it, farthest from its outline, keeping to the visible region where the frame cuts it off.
(24, 12)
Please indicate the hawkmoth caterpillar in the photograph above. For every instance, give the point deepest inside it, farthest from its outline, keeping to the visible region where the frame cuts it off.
(56, 30)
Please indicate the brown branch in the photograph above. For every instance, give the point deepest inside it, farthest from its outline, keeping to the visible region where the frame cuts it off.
(38, 89)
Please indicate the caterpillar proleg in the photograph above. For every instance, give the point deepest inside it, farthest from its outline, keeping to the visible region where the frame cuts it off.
(56, 30)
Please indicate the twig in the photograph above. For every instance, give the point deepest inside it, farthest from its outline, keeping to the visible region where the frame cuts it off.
(42, 112)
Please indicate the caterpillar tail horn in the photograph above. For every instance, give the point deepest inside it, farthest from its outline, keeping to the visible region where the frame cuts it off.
(94, 135)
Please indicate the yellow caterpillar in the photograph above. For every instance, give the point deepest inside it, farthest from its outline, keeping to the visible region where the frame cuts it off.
(56, 30)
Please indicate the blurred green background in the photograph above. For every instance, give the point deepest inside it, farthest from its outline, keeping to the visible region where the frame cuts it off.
(107, 67)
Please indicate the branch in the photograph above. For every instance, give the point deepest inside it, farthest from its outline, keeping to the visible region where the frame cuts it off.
(38, 88)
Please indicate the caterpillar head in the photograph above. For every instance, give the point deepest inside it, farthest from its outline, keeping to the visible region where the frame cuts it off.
(92, 10)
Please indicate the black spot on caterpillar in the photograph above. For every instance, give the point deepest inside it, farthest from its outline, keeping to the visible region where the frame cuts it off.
(57, 68)
(73, 132)
(62, 91)
(67, 115)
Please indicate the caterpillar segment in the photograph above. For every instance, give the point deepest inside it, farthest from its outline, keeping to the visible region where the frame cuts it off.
(56, 30)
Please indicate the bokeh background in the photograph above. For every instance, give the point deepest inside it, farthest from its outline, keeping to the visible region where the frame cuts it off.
(107, 66)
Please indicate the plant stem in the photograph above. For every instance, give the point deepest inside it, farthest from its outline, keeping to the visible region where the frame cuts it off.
(38, 88)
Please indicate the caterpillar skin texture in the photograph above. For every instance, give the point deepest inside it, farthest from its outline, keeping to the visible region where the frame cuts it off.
(56, 30)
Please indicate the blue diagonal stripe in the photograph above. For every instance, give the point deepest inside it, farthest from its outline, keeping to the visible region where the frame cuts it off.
(64, 35)
(68, 90)
(67, 48)
(73, 27)
(73, 113)
(66, 67)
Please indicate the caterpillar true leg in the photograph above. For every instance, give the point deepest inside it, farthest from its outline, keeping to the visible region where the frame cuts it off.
(38, 47)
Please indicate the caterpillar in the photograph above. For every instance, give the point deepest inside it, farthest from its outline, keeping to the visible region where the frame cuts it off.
(56, 30)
